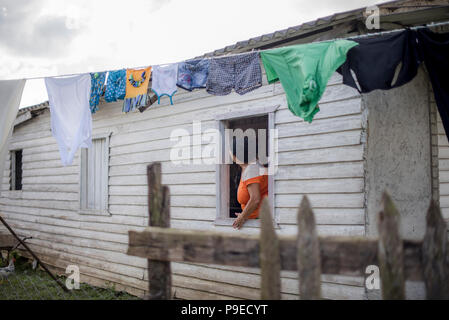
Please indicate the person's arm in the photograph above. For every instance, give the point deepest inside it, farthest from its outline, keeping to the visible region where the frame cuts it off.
(253, 203)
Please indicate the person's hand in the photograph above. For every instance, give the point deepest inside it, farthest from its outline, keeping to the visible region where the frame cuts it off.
(239, 221)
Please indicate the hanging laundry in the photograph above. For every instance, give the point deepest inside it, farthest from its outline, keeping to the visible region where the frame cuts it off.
(97, 85)
(136, 88)
(71, 119)
(193, 74)
(434, 52)
(115, 86)
(375, 60)
(240, 72)
(304, 71)
(164, 81)
(10, 96)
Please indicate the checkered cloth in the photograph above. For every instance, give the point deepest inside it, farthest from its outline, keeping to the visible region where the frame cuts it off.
(241, 72)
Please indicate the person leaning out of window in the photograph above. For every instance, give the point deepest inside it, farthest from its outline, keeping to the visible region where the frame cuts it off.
(253, 186)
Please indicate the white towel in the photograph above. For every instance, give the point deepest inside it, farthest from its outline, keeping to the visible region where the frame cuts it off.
(71, 120)
(10, 96)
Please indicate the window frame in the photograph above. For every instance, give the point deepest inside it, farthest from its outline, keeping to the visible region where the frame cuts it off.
(105, 179)
(222, 170)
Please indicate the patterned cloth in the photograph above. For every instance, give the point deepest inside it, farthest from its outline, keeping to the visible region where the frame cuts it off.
(116, 86)
(96, 89)
(241, 72)
(193, 74)
(136, 89)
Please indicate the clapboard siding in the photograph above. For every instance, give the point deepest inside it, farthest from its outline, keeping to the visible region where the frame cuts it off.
(443, 162)
(323, 159)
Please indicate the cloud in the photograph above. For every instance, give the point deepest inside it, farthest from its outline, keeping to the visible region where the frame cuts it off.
(26, 31)
(155, 5)
(54, 37)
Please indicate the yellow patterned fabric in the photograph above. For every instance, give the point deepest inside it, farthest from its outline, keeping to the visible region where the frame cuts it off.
(136, 95)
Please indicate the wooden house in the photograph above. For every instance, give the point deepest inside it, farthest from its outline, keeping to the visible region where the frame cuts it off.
(356, 147)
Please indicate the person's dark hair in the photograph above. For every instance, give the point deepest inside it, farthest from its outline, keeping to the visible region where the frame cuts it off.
(245, 151)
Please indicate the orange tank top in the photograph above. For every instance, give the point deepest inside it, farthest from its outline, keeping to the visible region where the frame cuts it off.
(254, 173)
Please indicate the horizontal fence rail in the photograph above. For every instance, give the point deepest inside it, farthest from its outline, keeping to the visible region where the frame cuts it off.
(310, 255)
(340, 255)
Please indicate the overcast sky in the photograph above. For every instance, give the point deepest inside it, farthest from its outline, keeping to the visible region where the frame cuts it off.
(55, 37)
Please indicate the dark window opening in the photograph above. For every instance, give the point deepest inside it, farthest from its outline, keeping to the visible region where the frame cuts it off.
(256, 123)
(16, 170)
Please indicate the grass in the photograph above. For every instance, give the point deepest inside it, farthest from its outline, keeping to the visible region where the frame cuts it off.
(29, 284)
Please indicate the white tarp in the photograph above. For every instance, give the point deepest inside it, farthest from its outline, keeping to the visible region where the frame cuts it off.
(10, 96)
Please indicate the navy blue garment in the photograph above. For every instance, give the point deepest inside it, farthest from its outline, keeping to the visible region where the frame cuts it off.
(375, 59)
(434, 52)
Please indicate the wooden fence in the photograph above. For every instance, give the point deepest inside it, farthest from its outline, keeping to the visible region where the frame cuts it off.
(397, 259)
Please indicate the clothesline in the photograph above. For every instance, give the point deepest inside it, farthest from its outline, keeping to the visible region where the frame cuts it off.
(430, 25)
(304, 75)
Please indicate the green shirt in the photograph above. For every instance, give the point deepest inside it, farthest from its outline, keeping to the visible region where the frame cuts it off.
(304, 71)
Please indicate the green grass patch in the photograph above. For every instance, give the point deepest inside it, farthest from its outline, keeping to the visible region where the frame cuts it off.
(29, 284)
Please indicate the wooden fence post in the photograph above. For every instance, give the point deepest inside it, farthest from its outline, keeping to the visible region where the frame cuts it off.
(435, 255)
(308, 256)
(159, 272)
(390, 252)
(269, 255)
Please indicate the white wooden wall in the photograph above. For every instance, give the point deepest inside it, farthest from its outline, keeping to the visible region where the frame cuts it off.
(323, 159)
(443, 164)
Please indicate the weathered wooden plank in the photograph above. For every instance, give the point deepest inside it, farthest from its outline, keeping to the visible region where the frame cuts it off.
(308, 256)
(327, 110)
(326, 140)
(346, 153)
(390, 253)
(7, 240)
(297, 129)
(250, 277)
(69, 222)
(330, 200)
(339, 255)
(53, 204)
(63, 231)
(332, 92)
(326, 216)
(270, 258)
(435, 255)
(159, 272)
(321, 171)
(292, 186)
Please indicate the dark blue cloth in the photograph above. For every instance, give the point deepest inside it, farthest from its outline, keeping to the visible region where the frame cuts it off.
(375, 59)
(434, 52)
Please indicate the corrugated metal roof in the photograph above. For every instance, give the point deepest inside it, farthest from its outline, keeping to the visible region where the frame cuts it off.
(393, 14)
(40, 106)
